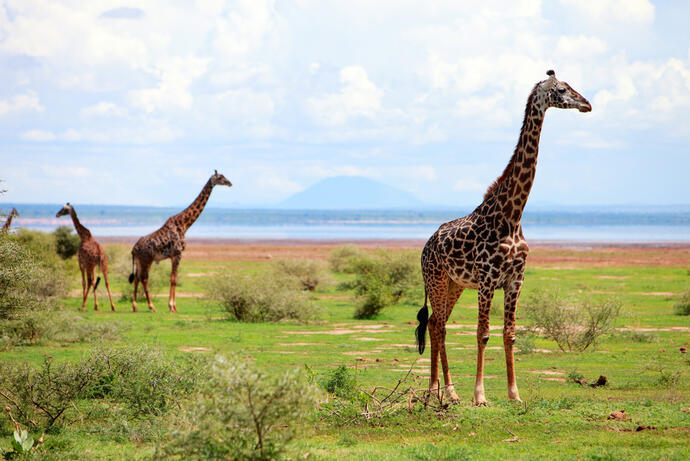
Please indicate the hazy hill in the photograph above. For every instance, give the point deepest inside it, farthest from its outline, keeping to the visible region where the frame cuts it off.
(351, 192)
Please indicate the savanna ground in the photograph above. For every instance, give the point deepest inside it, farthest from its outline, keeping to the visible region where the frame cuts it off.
(646, 371)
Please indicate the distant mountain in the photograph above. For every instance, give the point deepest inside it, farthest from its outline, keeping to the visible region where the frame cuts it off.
(351, 192)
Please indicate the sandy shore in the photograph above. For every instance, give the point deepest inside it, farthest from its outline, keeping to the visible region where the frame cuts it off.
(543, 253)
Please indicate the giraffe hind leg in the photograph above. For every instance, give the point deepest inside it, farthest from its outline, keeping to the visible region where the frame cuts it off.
(454, 292)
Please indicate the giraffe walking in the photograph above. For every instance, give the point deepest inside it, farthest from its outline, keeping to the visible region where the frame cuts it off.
(90, 255)
(486, 249)
(168, 242)
(8, 223)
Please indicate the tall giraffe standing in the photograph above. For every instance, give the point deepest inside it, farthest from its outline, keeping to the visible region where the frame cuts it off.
(168, 242)
(8, 223)
(90, 255)
(486, 249)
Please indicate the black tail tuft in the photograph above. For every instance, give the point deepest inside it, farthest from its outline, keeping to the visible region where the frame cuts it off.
(420, 331)
(131, 277)
(98, 280)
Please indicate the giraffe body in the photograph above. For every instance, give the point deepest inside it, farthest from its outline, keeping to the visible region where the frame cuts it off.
(168, 242)
(8, 222)
(486, 250)
(90, 256)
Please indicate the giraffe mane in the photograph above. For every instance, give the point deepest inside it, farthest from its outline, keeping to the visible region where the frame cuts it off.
(509, 168)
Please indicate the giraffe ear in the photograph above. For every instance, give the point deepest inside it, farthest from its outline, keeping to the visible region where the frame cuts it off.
(215, 172)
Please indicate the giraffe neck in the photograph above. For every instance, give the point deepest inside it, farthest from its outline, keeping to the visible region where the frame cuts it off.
(82, 231)
(189, 215)
(8, 222)
(512, 189)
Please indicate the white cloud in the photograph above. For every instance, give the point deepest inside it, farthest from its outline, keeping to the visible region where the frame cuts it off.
(627, 11)
(359, 97)
(468, 185)
(37, 135)
(103, 108)
(172, 91)
(580, 46)
(27, 102)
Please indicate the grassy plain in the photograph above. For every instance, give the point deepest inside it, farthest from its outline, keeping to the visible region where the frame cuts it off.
(647, 374)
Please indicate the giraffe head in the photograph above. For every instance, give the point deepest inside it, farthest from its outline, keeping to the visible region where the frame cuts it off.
(219, 180)
(14, 212)
(560, 94)
(65, 210)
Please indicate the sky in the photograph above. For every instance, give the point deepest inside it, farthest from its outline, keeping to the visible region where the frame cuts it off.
(116, 102)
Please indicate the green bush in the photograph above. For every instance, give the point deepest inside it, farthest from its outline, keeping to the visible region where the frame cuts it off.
(139, 381)
(341, 258)
(682, 305)
(309, 273)
(66, 242)
(142, 378)
(573, 324)
(260, 298)
(241, 414)
(382, 280)
(340, 382)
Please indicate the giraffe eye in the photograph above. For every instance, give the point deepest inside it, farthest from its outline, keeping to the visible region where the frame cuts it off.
(561, 90)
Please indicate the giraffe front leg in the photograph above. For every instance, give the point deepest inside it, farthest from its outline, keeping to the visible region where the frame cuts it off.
(89, 285)
(173, 284)
(485, 297)
(512, 293)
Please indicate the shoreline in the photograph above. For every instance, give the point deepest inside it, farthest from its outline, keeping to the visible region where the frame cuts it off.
(401, 243)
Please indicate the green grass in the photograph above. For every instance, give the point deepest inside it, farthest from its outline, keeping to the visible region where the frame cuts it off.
(558, 419)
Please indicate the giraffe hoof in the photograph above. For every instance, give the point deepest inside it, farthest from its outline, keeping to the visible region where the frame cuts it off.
(481, 404)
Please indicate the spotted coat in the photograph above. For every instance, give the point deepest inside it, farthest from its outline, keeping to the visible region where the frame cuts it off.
(486, 250)
(168, 242)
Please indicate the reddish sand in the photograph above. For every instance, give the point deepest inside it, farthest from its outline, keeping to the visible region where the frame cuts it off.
(548, 254)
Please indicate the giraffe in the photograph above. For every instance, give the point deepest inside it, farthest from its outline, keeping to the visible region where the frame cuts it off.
(8, 223)
(168, 242)
(486, 250)
(90, 255)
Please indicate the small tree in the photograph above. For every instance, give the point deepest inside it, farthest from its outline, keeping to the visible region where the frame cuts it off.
(682, 305)
(382, 280)
(243, 413)
(66, 242)
(573, 324)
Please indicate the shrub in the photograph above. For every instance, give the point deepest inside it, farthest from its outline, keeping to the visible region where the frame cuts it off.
(340, 382)
(341, 258)
(242, 414)
(40, 398)
(382, 280)
(573, 325)
(260, 298)
(66, 242)
(682, 305)
(308, 273)
(525, 343)
(139, 380)
(142, 378)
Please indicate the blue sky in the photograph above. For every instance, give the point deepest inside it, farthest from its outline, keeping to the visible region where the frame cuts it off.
(107, 102)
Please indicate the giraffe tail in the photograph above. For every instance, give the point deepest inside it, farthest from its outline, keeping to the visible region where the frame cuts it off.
(423, 319)
(131, 276)
(98, 280)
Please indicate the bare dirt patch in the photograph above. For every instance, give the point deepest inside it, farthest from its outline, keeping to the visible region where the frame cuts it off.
(547, 372)
(368, 339)
(193, 349)
(302, 344)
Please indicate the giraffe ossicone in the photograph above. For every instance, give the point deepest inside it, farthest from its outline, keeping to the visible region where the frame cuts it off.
(486, 250)
(168, 242)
